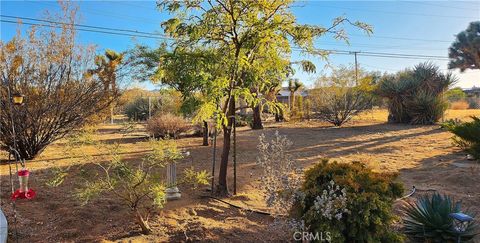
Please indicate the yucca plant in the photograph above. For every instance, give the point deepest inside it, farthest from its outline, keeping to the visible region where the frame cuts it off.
(416, 96)
(425, 108)
(429, 219)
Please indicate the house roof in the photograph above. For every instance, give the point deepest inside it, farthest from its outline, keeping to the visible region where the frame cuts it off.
(285, 92)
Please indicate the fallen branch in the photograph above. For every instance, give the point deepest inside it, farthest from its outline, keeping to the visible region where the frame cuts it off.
(239, 207)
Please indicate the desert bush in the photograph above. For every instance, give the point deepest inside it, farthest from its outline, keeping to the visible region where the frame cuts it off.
(138, 186)
(341, 95)
(168, 101)
(428, 219)
(137, 110)
(473, 103)
(338, 105)
(455, 94)
(48, 66)
(350, 201)
(459, 105)
(280, 176)
(166, 125)
(467, 136)
(416, 96)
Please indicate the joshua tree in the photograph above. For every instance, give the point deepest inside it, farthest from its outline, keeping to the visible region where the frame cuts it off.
(465, 51)
(106, 70)
(293, 85)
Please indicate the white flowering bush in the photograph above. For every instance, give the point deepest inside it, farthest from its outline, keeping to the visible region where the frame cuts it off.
(332, 204)
(350, 201)
(281, 178)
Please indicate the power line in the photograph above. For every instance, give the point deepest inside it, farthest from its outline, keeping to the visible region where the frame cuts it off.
(86, 26)
(396, 13)
(81, 29)
(442, 6)
(381, 54)
(403, 38)
(133, 33)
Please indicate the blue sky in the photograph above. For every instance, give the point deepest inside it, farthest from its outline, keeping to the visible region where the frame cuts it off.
(415, 27)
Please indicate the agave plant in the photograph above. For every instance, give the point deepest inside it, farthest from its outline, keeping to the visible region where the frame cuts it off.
(429, 219)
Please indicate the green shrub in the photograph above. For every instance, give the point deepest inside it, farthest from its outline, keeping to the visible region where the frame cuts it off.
(166, 102)
(166, 125)
(428, 219)
(367, 214)
(467, 136)
(137, 110)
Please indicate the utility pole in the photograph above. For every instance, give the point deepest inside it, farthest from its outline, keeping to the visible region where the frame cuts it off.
(149, 107)
(356, 69)
(356, 66)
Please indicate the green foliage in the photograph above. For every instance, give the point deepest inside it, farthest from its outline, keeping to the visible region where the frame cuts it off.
(58, 176)
(464, 52)
(416, 96)
(467, 135)
(251, 43)
(368, 216)
(137, 185)
(455, 94)
(166, 101)
(138, 109)
(428, 219)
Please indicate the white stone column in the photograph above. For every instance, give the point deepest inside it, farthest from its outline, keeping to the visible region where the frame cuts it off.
(172, 190)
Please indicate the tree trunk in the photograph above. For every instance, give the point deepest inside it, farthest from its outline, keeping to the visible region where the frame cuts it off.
(222, 187)
(205, 133)
(257, 117)
(142, 223)
(292, 104)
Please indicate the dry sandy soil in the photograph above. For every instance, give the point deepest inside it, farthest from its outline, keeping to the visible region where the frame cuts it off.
(423, 155)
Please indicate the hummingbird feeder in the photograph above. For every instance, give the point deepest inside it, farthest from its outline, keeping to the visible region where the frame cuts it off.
(23, 192)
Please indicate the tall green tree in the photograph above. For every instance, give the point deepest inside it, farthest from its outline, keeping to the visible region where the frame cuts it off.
(251, 39)
(465, 51)
(188, 70)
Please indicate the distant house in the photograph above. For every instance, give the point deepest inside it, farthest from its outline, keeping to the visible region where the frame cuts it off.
(283, 96)
(473, 92)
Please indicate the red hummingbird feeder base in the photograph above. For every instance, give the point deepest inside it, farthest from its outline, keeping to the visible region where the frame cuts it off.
(23, 192)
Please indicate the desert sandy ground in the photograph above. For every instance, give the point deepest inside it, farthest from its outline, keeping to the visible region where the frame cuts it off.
(422, 155)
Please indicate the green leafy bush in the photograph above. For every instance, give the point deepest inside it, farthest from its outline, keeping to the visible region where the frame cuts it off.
(429, 219)
(467, 136)
(166, 125)
(350, 201)
(165, 102)
(138, 185)
(137, 110)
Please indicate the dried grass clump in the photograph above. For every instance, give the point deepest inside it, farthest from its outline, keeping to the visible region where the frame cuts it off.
(166, 125)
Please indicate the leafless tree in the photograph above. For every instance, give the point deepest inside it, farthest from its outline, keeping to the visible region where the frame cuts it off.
(51, 71)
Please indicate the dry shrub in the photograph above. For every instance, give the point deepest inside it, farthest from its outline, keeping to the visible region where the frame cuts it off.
(459, 105)
(166, 125)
